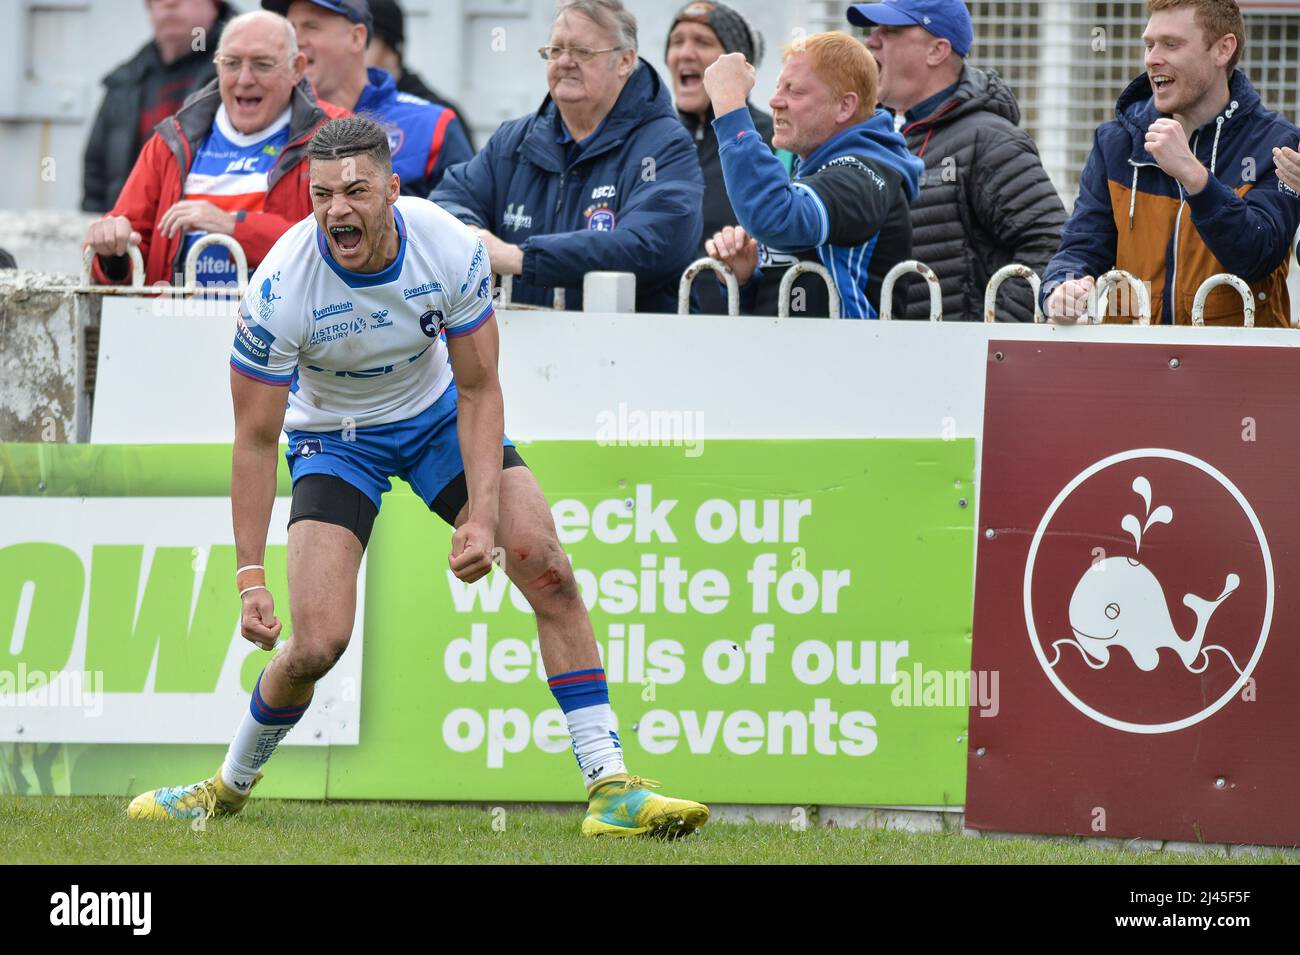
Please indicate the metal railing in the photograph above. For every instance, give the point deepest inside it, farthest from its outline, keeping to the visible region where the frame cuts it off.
(1213, 282)
(897, 272)
(787, 288)
(1097, 301)
(692, 273)
(1012, 271)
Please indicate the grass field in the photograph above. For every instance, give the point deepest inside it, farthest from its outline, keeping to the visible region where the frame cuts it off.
(95, 830)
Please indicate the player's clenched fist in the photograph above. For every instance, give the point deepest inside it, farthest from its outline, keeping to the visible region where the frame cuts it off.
(110, 236)
(257, 621)
(734, 247)
(471, 551)
(1069, 301)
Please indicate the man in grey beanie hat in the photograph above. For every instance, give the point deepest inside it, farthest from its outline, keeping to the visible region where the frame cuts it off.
(701, 32)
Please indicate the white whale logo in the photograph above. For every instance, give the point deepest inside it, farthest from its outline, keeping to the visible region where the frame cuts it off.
(1118, 602)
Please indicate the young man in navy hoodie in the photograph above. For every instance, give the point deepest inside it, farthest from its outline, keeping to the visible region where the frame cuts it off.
(847, 205)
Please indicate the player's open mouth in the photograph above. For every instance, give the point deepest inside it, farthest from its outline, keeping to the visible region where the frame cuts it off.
(346, 237)
(688, 80)
(1162, 82)
(248, 102)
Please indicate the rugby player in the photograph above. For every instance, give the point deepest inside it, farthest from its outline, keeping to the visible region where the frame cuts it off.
(365, 252)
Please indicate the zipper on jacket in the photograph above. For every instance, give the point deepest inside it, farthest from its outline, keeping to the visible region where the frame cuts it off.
(1178, 224)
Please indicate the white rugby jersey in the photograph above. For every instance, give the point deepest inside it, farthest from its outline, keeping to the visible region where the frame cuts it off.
(359, 349)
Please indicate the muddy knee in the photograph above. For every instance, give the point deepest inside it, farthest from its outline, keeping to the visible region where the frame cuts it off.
(542, 571)
(307, 661)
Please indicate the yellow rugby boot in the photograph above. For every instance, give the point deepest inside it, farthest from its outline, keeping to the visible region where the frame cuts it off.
(624, 806)
(211, 797)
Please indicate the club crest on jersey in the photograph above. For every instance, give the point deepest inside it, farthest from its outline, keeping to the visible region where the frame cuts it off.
(380, 319)
(265, 303)
(600, 218)
(359, 325)
(432, 322)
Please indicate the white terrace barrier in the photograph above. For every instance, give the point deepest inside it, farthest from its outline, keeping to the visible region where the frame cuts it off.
(52, 366)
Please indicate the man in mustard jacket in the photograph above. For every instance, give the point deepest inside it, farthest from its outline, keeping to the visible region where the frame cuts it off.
(1182, 184)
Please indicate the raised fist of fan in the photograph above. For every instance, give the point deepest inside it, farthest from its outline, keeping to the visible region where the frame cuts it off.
(733, 246)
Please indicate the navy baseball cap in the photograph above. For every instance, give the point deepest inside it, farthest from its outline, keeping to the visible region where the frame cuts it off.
(358, 11)
(947, 19)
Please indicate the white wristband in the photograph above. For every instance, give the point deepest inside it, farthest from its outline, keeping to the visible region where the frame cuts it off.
(249, 590)
(249, 567)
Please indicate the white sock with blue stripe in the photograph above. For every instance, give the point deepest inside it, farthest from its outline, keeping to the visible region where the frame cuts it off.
(259, 733)
(584, 697)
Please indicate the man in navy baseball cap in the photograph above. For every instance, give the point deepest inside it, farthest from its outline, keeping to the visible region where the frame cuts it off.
(964, 124)
(358, 11)
(947, 19)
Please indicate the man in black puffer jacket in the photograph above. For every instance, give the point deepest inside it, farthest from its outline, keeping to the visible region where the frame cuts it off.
(986, 200)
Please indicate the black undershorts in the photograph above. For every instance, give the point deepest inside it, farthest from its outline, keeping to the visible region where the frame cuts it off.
(332, 500)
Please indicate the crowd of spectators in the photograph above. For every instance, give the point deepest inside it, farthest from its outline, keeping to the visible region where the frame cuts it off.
(876, 150)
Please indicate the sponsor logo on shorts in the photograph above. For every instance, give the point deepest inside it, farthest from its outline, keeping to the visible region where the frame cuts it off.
(252, 341)
(308, 448)
(380, 319)
(338, 308)
(432, 322)
(428, 288)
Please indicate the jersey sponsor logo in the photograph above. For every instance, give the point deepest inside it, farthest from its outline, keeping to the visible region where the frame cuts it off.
(515, 220)
(604, 192)
(380, 319)
(601, 218)
(485, 287)
(253, 341)
(480, 253)
(308, 448)
(359, 325)
(432, 322)
(267, 297)
(246, 164)
(428, 288)
(337, 308)
(330, 333)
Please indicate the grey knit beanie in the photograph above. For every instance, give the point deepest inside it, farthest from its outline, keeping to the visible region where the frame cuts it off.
(735, 33)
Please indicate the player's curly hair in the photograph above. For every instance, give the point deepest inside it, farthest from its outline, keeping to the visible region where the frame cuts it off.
(352, 136)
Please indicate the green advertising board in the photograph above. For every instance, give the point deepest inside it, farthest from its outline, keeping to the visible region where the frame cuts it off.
(777, 620)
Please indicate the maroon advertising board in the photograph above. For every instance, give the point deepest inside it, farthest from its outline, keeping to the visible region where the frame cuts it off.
(1139, 528)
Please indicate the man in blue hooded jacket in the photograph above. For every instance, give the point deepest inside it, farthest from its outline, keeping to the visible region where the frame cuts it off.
(847, 205)
(424, 138)
(603, 177)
